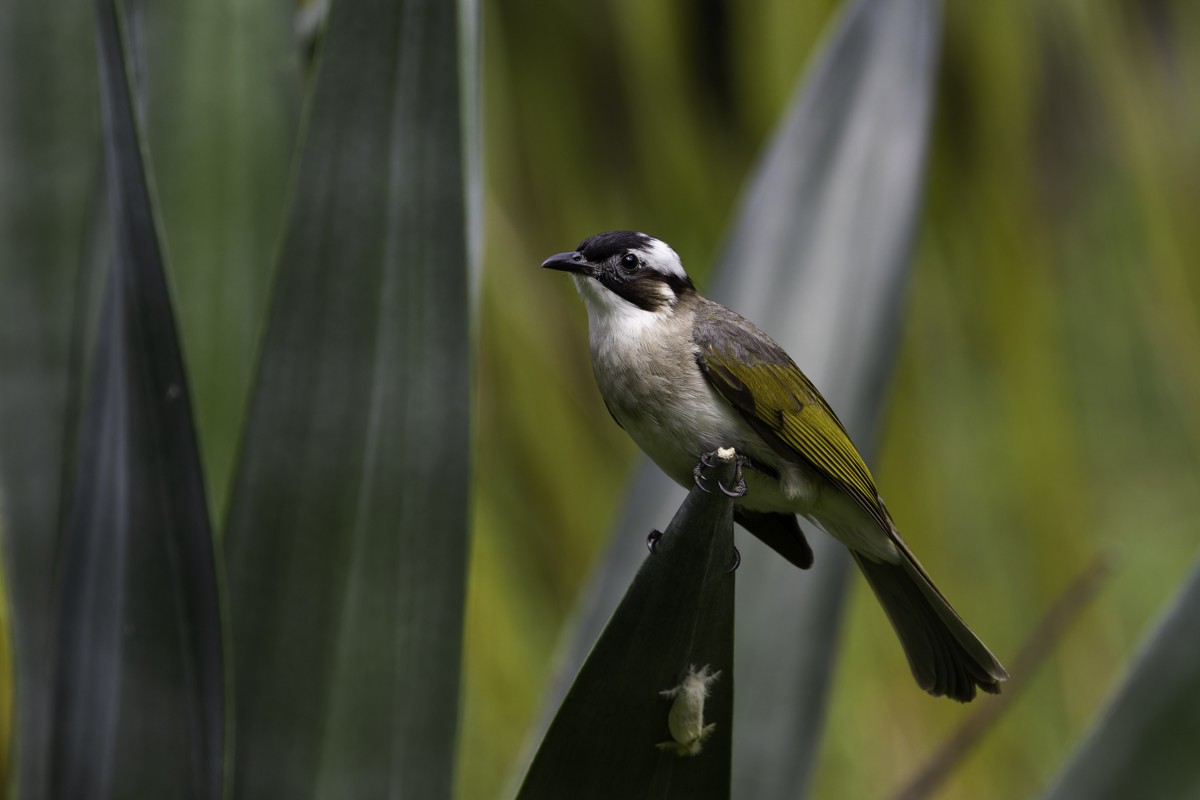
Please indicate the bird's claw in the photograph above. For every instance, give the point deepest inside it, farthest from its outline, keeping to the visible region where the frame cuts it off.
(652, 541)
(738, 489)
(739, 485)
(698, 471)
(737, 562)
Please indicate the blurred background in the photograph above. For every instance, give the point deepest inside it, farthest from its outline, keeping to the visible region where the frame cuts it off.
(1045, 406)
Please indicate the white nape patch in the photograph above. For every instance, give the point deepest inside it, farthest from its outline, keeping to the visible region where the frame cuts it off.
(660, 257)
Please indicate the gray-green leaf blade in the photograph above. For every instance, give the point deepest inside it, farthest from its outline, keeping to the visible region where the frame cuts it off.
(49, 161)
(139, 703)
(348, 522)
(1144, 743)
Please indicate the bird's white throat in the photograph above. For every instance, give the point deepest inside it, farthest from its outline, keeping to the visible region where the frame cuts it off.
(613, 321)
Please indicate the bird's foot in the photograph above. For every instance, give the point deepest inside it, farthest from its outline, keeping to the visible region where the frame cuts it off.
(737, 562)
(739, 480)
(652, 541)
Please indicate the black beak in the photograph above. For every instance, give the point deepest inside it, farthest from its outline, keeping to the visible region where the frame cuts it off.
(569, 262)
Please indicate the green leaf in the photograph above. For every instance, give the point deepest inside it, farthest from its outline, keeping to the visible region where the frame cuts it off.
(48, 163)
(676, 616)
(220, 85)
(348, 521)
(1144, 744)
(139, 692)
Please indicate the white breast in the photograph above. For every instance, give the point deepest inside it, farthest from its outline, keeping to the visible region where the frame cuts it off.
(645, 367)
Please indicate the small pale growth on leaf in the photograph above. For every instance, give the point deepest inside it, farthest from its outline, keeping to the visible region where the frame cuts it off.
(686, 718)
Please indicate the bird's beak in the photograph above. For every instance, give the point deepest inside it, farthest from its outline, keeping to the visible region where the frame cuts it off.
(569, 262)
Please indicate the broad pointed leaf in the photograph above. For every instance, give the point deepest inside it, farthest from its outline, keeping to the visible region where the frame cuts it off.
(139, 691)
(676, 618)
(347, 529)
(1144, 743)
(48, 164)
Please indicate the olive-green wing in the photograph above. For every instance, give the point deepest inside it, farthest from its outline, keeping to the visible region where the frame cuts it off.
(758, 378)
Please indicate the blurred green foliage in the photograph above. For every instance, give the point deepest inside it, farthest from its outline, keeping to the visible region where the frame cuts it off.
(1047, 401)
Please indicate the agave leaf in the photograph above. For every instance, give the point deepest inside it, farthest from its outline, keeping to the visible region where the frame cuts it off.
(139, 692)
(48, 161)
(817, 256)
(1144, 743)
(676, 617)
(348, 520)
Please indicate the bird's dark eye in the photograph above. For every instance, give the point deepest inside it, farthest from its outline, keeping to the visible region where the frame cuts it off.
(629, 261)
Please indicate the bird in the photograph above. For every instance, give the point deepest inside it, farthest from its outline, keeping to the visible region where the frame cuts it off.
(684, 376)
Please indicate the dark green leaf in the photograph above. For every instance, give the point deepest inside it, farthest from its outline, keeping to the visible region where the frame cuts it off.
(676, 615)
(48, 174)
(348, 521)
(1144, 744)
(139, 693)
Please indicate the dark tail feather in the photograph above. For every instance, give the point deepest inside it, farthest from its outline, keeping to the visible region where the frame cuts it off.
(780, 532)
(945, 656)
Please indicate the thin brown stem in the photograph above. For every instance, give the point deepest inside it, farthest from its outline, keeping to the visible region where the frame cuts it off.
(1041, 642)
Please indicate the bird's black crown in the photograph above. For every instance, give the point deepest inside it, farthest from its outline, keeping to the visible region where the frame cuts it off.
(603, 246)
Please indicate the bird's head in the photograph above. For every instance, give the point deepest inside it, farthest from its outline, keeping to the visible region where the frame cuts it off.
(623, 271)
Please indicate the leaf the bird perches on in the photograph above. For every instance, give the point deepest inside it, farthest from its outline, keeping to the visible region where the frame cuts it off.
(676, 618)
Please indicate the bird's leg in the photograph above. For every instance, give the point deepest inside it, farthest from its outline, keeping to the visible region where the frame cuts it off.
(739, 485)
(698, 471)
(737, 562)
(652, 541)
